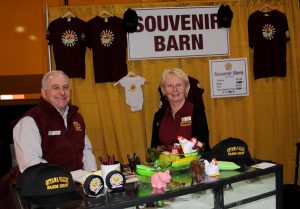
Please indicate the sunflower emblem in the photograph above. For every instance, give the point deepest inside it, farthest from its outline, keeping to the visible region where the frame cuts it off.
(268, 31)
(69, 38)
(107, 37)
(228, 66)
(132, 87)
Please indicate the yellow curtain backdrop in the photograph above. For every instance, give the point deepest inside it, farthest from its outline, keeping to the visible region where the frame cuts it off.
(267, 119)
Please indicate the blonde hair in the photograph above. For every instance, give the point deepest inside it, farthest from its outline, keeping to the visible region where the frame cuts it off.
(179, 74)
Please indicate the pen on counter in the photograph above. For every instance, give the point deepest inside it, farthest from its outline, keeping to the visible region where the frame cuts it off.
(100, 159)
(113, 159)
(128, 158)
(134, 156)
(111, 162)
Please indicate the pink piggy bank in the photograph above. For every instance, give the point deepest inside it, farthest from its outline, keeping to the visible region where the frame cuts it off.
(159, 180)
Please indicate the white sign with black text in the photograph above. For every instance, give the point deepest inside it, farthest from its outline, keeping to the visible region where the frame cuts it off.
(229, 78)
(173, 32)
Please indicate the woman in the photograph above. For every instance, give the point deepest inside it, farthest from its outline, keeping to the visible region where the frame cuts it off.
(180, 117)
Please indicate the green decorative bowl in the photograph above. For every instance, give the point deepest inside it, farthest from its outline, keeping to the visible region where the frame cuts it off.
(178, 160)
(178, 164)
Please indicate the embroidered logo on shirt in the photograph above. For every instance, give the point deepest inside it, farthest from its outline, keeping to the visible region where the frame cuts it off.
(77, 126)
(54, 133)
(107, 37)
(186, 121)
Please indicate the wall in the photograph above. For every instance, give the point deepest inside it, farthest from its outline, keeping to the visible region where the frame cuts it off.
(22, 39)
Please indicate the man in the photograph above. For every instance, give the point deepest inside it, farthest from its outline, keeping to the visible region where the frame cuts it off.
(53, 131)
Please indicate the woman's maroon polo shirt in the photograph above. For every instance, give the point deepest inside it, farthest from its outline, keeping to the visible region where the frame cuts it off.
(181, 125)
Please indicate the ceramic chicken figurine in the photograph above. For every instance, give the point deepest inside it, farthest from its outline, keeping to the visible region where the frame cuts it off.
(186, 145)
(211, 169)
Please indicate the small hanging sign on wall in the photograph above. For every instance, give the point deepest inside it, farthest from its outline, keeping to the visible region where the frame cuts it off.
(229, 78)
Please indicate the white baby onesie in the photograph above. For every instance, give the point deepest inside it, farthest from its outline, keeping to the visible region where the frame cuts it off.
(133, 91)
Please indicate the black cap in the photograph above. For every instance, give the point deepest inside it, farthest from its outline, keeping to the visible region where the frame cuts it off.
(224, 16)
(233, 150)
(46, 185)
(130, 20)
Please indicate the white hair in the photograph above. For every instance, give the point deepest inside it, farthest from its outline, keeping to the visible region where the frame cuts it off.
(50, 74)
